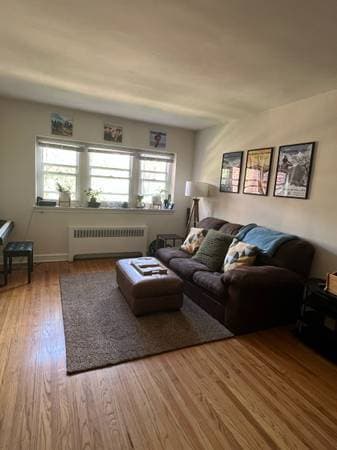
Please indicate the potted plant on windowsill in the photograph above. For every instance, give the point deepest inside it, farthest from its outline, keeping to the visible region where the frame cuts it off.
(139, 201)
(64, 195)
(92, 197)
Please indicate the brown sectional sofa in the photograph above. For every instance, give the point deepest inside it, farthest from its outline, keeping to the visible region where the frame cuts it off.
(247, 298)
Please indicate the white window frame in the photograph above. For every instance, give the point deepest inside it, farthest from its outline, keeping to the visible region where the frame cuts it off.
(83, 176)
(164, 157)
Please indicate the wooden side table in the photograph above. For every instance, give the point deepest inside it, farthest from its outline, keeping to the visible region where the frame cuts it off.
(166, 238)
(317, 325)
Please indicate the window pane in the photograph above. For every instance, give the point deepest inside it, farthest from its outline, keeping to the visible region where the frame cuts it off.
(154, 176)
(110, 185)
(154, 166)
(58, 156)
(60, 169)
(110, 173)
(49, 184)
(152, 187)
(112, 160)
(116, 198)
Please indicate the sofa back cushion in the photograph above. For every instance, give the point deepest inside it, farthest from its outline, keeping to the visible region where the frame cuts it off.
(213, 250)
(211, 223)
(230, 228)
(295, 255)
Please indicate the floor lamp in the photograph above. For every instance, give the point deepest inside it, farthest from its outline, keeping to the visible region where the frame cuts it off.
(196, 190)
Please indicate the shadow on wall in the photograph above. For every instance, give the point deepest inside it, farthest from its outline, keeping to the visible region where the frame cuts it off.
(325, 261)
(211, 146)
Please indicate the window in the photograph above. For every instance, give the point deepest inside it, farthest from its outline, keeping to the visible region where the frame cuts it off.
(110, 173)
(155, 176)
(119, 174)
(59, 164)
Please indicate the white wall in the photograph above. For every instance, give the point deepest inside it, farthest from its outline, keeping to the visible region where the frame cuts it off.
(21, 122)
(313, 119)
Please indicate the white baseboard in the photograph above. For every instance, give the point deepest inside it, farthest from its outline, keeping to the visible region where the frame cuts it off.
(50, 257)
(40, 258)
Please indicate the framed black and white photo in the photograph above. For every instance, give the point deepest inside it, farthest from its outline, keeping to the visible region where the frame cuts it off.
(257, 173)
(293, 173)
(113, 133)
(231, 172)
(157, 139)
(61, 125)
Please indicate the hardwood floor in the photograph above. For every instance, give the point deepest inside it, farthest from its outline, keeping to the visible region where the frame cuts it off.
(264, 390)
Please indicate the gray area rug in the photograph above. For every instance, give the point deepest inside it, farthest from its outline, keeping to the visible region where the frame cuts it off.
(100, 329)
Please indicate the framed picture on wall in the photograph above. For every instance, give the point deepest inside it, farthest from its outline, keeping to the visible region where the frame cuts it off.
(157, 139)
(293, 173)
(61, 125)
(257, 173)
(113, 133)
(231, 172)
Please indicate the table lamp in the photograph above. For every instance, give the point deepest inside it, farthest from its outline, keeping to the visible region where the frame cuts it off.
(196, 190)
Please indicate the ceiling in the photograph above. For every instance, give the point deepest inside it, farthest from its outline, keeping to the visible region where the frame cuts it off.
(189, 63)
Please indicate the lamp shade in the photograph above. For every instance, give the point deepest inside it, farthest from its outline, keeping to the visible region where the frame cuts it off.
(196, 189)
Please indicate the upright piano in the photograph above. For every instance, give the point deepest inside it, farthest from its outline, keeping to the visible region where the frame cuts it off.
(6, 226)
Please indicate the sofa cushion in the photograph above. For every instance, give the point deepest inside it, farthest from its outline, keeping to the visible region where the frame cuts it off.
(213, 249)
(185, 268)
(240, 254)
(211, 282)
(167, 253)
(211, 223)
(231, 228)
(194, 240)
(296, 255)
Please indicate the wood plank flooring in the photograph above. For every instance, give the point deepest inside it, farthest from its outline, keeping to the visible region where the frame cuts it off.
(260, 391)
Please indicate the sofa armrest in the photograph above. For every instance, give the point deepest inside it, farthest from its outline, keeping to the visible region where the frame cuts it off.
(261, 297)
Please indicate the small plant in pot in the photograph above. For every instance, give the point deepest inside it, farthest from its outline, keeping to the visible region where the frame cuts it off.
(92, 197)
(139, 201)
(64, 195)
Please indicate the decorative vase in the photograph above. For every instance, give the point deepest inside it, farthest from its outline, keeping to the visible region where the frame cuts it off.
(64, 199)
(156, 201)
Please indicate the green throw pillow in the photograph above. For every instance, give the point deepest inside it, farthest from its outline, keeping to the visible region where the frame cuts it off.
(213, 249)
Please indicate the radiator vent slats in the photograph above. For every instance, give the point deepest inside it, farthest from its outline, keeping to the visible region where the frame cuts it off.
(83, 233)
(99, 240)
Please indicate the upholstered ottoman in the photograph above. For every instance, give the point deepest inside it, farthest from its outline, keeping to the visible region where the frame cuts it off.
(149, 293)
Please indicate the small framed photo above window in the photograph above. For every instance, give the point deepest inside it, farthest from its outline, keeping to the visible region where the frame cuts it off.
(113, 133)
(257, 173)
(158, 139)
(231, 172)
(61, 125)
(294, 170)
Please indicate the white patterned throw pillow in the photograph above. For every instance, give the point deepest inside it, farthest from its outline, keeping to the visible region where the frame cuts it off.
(194, 240)
(240, 254)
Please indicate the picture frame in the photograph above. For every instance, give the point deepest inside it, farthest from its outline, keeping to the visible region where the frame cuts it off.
(231, 168)
(158, 139)
(293, 171)
(113, 133)
(61, 125)
(257, 171)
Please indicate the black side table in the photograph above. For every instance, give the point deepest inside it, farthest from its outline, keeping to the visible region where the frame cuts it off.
(317, 325)
(167, 238)
(15, 249)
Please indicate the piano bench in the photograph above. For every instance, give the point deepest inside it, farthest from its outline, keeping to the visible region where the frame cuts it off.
(16, 249)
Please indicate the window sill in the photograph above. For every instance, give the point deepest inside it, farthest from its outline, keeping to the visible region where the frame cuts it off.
(101, 210)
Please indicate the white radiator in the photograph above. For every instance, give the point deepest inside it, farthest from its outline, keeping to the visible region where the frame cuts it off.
(100, 240)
